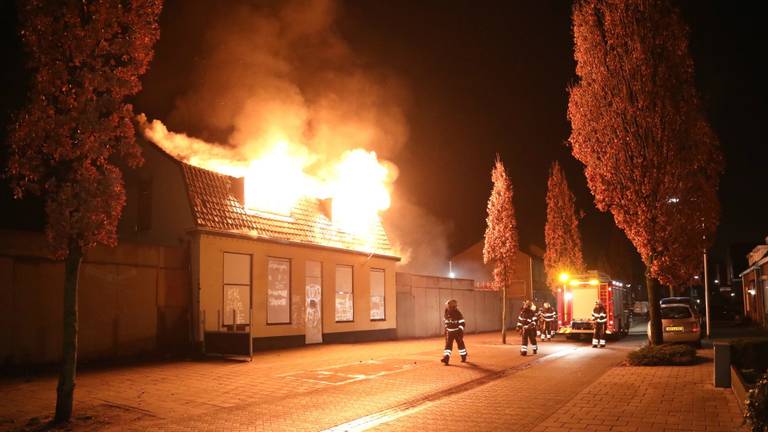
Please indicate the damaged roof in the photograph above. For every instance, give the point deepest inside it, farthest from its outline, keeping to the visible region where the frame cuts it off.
(215, 205)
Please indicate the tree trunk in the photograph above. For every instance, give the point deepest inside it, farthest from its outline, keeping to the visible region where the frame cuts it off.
(654, 311)
(504, 314)
(66, 387)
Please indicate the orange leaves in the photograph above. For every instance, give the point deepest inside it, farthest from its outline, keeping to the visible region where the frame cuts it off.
(501, 244)
(650, 156)
(77, 121)
(561, 233)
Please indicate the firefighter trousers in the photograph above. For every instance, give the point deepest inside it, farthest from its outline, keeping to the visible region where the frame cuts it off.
(549, 329)
(598, 337)
(528, 336)
(457, 336)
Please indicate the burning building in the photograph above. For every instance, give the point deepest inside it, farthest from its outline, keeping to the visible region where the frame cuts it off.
(269, 268)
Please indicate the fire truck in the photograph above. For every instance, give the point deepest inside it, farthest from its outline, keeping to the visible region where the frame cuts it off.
(576, 299)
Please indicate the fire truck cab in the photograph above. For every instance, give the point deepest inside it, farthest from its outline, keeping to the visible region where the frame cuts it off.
(576, 299)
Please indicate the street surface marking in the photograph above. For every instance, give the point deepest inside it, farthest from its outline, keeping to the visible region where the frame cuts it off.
(418, 404)
(350, 372)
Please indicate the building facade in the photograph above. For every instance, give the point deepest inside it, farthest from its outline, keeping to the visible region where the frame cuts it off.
(263, 280)
(754, 285)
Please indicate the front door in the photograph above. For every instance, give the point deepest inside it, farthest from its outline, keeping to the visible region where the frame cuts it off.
(313, 322)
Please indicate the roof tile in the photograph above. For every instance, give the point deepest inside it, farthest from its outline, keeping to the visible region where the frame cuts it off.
(216, 208)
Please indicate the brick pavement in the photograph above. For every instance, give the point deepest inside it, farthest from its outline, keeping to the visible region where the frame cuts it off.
(182, 390)
(566, 395)
(662, 398)
(319, 387)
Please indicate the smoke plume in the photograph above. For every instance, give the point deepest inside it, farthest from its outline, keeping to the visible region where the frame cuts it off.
(281, 71)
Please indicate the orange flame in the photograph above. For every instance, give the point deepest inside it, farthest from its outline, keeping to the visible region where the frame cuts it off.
(358, 183)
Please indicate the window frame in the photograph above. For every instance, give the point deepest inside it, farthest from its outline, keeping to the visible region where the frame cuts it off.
(290, 286)
(235, 327)
(383, 293)
(336, 291)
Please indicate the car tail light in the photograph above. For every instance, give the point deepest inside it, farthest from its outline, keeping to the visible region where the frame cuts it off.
(695, 328)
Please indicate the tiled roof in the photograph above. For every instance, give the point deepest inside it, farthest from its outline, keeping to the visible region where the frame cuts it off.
(215, 206)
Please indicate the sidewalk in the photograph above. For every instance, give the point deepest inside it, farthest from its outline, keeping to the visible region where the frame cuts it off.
(200, 392)
(659, 398)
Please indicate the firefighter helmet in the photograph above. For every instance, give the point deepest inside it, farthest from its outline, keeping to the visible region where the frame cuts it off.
(546, 305)
(451, 303)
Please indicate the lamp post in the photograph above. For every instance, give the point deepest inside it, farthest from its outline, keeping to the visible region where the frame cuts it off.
(706, 293)
(564, 279)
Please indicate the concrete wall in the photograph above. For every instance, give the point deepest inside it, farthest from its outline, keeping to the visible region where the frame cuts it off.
(209, 251)
(133, 299)
(421, 303)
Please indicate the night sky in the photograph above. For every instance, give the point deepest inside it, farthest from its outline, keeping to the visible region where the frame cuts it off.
(488, 77)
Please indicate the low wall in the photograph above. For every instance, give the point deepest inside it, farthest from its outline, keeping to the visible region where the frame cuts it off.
(421, 303)
(132, 299)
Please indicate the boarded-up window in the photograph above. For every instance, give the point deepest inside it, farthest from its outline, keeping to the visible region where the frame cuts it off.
(278, 291)
(237, 289)
(344, 294)
(377, 294)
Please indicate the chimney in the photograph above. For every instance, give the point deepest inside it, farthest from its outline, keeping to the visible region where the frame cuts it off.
(237, 189)
(326, 207)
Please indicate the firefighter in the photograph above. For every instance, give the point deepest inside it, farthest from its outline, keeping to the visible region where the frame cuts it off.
(526, 323)
(549, 315)
(454, 331)
(537, 318)
(600, 318)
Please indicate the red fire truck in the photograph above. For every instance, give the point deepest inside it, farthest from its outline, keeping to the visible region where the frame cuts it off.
(576, 299)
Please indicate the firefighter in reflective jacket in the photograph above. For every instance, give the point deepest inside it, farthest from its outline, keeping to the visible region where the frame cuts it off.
(549, 315)
(454, 331)
(600, 318)
(526, 323)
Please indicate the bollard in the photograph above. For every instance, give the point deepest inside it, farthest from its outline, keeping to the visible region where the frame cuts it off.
(722, 364)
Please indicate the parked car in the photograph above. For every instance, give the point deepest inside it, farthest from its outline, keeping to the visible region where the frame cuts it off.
(675, 300)
(679, 324)
(640, 308)
(695, 305)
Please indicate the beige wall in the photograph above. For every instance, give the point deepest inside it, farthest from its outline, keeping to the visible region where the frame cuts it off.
(421, 304)
(210, 273)
(130, 299)
(469, 265)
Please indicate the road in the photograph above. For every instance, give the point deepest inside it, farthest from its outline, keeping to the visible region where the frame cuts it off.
(398, 385)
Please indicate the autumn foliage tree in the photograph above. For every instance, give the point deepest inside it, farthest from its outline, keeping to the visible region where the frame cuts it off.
(650, 156)
(561, 231)
(85, 59)
(500, 247)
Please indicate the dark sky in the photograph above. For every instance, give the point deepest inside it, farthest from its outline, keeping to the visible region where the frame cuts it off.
(492, 76)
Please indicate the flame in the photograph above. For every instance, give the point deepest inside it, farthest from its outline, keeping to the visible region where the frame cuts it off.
(358, 183)
(359, 191)
(276, 181)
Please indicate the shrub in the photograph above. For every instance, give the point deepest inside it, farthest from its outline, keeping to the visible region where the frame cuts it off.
(756, 408)
(660, 355)
(750, 356)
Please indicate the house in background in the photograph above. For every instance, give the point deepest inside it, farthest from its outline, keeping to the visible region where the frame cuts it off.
(529, 280)
(754, 285)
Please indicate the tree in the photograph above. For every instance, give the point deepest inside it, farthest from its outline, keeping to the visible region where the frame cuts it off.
(500, 247)
(561, 232)
(649, 155)
(86, 57)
